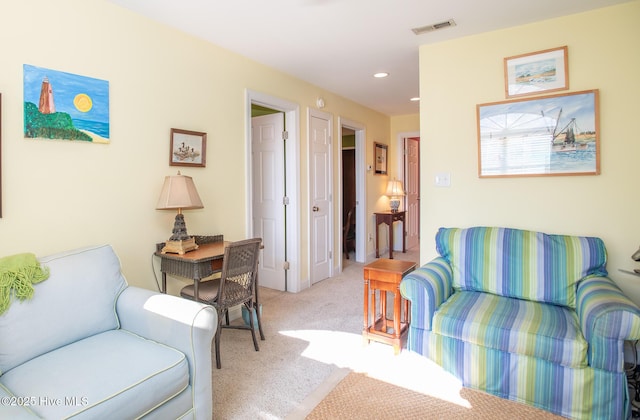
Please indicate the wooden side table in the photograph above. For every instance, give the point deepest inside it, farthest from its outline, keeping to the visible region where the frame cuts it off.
(388, 217)
(385, 275)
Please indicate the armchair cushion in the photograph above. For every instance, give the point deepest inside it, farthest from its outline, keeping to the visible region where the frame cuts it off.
(139, 372)
(534, 329)
(521, 264)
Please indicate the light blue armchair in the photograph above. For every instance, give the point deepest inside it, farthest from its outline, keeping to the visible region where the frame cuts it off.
(88, 346)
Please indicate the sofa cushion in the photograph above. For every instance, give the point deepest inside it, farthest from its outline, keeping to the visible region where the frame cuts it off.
(524, 327)
(115, 374)
(76, 301)
(521, 264)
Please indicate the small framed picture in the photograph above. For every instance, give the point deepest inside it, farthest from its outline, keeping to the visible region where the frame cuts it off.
(539, 72)
(188, 148)
(380, 158)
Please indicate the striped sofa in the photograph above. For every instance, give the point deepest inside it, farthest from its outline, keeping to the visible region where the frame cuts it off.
(526, 316)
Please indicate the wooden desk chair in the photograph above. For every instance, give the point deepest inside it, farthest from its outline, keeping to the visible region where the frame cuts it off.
(235, 286)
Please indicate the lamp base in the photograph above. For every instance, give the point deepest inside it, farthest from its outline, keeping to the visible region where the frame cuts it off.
(395, 205)
(179, 247)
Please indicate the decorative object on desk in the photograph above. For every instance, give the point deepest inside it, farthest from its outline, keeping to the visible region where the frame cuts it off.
(394, 192)
(538, 72)
(380, 158)
(179, 192)
(188, 148)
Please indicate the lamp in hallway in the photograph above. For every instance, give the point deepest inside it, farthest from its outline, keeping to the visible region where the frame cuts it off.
(394, 192)
(179, 192)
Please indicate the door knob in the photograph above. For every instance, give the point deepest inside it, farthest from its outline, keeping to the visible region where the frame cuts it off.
(316, 208)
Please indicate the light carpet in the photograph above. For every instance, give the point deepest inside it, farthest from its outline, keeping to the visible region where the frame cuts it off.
(313, 341)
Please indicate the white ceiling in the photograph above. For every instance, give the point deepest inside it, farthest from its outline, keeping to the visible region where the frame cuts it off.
(338, 44)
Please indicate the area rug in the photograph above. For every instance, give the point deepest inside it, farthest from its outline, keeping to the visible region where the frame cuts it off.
(359, 396)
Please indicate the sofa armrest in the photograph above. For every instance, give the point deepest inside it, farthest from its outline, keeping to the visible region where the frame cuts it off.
(179, 323)
(427, 288)
(607, 318)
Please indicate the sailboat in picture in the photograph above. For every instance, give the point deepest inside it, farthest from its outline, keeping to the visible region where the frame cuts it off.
(565, 139)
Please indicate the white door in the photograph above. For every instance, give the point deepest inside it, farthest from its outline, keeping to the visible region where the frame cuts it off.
(412, 189)
(268, 184)
(320, 192)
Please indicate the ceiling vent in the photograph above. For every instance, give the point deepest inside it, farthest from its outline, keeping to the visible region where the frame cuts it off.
(434, 27)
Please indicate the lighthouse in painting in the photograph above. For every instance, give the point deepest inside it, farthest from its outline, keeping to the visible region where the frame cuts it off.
(46, 105)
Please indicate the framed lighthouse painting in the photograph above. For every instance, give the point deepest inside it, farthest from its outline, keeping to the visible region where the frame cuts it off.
(65, 106)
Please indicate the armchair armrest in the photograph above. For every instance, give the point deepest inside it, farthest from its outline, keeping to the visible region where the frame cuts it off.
(179, 323)
(607, 318)
(427, 288)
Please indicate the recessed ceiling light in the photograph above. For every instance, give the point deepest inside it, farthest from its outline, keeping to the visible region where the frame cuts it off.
(381, 75)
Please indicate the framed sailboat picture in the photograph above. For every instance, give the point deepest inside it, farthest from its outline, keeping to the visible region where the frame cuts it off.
(542, 136)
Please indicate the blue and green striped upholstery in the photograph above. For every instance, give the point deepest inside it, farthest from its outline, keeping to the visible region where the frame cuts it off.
(575, 393)
(519, 263)
(607, 318)
(525, 316)
(534, 329)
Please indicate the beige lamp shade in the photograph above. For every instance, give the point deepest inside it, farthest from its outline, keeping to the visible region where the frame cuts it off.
(394, 188)
(179, 192)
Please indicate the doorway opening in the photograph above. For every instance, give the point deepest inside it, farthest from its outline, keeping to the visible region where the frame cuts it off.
(351, 136)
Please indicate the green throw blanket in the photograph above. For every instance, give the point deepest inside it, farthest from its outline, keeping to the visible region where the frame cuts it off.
(18, 273)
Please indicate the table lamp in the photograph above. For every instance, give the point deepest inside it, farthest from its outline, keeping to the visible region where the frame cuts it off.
(394, 191)
(179, 192)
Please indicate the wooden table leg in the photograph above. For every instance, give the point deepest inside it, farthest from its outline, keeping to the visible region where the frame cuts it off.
(396, 320)
(391, 239)
(366, 311)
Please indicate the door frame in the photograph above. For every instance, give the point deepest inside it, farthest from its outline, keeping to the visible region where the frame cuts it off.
(311, 112)
(361, 196)
(291, 110)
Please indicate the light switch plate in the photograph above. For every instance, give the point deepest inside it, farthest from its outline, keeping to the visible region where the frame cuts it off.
(443, 179)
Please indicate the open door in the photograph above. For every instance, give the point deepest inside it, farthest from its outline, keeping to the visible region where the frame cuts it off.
(268, 186)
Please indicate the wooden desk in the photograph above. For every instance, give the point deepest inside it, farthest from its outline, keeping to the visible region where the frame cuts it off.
(388, 218)
(196, 265)
(385, 275)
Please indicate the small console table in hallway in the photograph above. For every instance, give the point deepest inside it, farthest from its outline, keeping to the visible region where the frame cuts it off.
(388, 218)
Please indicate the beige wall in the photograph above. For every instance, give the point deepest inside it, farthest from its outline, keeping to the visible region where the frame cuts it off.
(455, 76)
(60, 195)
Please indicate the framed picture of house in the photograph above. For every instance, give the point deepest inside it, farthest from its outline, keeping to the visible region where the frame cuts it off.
(188, 148)
(539, 72)
(380, 158)
(543, 136)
